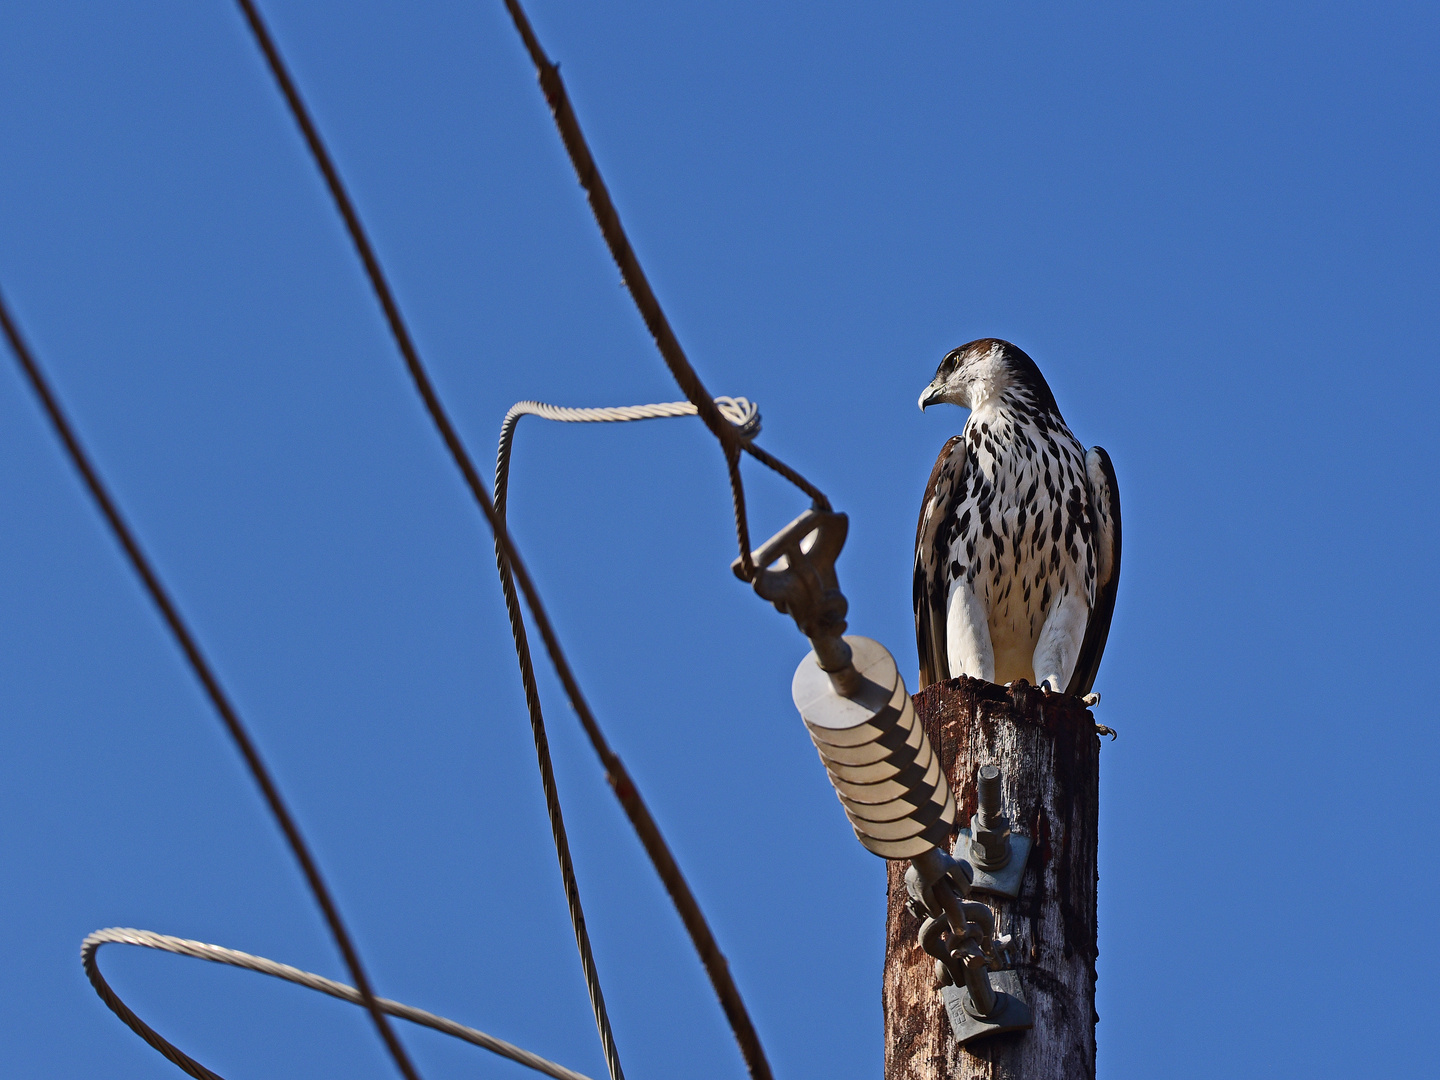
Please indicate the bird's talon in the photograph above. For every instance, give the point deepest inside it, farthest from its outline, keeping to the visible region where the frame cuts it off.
(1101, 729)
(1091, 700)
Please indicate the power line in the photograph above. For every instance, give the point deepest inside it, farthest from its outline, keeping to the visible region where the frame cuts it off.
(511, 569)
(208, 679)
(639, 287)
(619, 778)
(738, 412)
(233, 957)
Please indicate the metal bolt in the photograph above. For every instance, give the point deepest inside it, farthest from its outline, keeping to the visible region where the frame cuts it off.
(982, 1000)
(989, 828)
(834, 658)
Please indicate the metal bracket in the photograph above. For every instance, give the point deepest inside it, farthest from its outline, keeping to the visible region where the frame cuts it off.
(995, 854)
(927, 869)
(960, 935)
(1002, 882)
(1009, 1013)
(795, 571)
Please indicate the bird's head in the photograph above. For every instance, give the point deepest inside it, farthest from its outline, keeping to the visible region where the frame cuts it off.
(984, 370)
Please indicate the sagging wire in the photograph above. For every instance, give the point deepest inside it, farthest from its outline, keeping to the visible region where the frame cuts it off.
(235, 958)
(618, 777)
(738, 412)
(183, 636)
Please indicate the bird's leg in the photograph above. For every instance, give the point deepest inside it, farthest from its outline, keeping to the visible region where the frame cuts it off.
(967, 635)
(1060, 641)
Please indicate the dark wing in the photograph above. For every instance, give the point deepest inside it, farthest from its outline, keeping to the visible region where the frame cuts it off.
(1105, 535)
(932, 542)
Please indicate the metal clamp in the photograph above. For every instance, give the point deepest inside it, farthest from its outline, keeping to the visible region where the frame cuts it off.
(960, 935)
(795, 571)
(997, 855)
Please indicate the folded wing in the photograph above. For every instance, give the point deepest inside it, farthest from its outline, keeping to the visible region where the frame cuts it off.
(1105, 519)
(947, 482)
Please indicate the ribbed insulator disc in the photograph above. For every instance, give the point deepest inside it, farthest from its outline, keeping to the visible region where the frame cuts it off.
(879, 761)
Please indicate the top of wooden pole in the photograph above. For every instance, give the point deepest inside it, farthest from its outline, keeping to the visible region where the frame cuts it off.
(1047, 752)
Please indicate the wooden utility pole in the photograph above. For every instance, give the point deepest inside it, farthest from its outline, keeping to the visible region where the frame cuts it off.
(1046, 747)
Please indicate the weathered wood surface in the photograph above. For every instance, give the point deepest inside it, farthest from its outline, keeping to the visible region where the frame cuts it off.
(1047, 748)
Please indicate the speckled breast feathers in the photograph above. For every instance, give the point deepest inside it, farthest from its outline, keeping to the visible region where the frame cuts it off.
(1015, 557)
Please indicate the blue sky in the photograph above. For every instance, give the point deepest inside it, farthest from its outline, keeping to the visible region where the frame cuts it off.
(1213, 225)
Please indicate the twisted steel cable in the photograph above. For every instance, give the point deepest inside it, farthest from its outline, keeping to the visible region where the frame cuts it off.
(608, 219)
(234, 958)
(746, 419)
(740, 413)
(208, 679)
(641, 820)
(722, 423)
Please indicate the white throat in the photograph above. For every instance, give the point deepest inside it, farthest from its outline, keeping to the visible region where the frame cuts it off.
(986, 381)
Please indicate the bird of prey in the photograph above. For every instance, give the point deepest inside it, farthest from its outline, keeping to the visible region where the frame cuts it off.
(1018, 549)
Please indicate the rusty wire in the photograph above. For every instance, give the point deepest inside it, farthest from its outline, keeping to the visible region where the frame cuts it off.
(616, 774)
(608, 219)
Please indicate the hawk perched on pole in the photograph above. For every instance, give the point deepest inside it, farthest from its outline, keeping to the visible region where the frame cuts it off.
(1018, 549)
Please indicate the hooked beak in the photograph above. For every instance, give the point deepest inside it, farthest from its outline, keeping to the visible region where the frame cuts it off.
(932, 394)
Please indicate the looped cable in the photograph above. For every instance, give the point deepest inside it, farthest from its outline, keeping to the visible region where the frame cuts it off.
(745, 417)
(234, 958)
(606, 217)
(742, 414)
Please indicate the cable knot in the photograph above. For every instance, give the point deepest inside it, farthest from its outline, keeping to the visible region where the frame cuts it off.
(742, 414)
